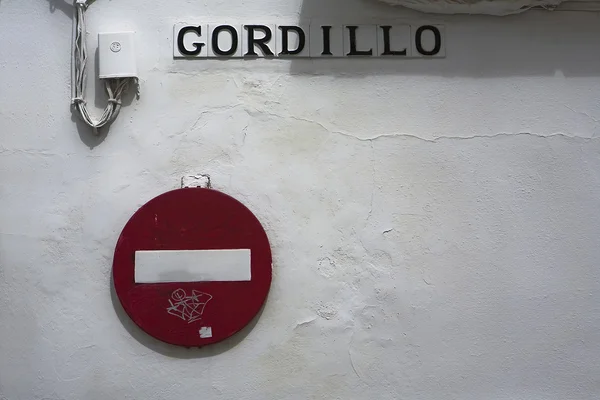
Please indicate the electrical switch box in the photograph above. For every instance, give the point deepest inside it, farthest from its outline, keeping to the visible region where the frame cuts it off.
(116, 52)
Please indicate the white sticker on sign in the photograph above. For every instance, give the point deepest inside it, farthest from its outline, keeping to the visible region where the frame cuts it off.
(205, 332)
(158, 266)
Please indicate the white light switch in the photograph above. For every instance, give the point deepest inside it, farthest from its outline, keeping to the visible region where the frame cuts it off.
(117, 55)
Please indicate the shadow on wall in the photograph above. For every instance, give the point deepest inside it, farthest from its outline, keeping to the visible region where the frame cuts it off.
(86, 133)
(61, 5)
(533, 43)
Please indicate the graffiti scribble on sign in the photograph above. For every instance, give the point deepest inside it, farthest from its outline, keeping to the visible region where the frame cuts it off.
(188, 308)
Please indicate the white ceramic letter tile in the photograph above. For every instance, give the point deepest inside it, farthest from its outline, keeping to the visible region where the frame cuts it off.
(228, 42)
(261, 31)
(398, 41)
(366, 40)
(432, 41)
(318, 40)
(294, 33)
(193, 36)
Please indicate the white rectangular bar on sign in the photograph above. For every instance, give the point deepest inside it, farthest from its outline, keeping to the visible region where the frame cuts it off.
(157, 266)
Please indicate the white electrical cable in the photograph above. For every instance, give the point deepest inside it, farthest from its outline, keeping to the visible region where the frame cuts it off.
(115, 87)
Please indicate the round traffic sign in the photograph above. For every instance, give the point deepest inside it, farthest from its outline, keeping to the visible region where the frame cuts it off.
(192, 267)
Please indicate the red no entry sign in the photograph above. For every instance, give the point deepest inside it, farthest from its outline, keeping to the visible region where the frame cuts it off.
(192, 267)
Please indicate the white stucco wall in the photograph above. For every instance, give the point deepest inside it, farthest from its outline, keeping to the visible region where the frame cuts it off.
(434, 224)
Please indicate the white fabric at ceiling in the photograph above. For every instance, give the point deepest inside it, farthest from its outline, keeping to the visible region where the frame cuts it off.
(490, 7)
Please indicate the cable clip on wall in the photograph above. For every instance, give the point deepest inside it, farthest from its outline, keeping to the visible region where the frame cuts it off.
(117, 68)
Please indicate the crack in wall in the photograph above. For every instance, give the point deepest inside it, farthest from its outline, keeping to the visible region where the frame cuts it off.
(199, 118)
(256, 112)
(583, 113)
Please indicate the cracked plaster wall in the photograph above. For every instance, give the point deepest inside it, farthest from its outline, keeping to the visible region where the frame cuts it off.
(434, 224)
